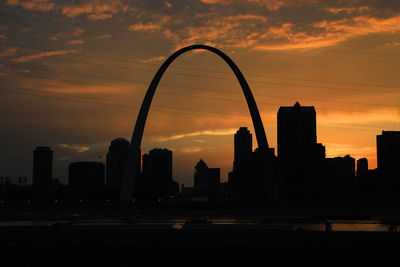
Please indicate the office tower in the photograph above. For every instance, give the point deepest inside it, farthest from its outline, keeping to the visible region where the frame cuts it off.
(214, 180)
(201, 178)
(362, 167)
(42, 169)
(301, 158)
(296, 130)
(388, 158)
(243, 146)
(156, 180)
(86, 179)
(247, 180)
(206, 180)
(116, 160)
(340, 172)
(161, 164)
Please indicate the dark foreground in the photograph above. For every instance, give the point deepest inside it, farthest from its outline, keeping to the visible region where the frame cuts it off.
(192, 245)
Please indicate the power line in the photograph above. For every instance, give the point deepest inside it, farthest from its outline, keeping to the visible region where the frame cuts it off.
(188, 68)
(236, 100)
(85, 99)
(156, 107)
(183, 74)
(214, 98)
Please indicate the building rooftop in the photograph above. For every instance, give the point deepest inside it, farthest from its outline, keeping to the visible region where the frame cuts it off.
(43, 148)
(296, 106)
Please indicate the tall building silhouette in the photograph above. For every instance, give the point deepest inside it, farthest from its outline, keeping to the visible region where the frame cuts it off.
(206, 180)
(42, 169)
(296, 130)
(246, 181)
(300, 156)
(362, 167)
(340, 172)
(156, 180)
(116, 161)
(388, 158)
(86, 179)
(243, 146)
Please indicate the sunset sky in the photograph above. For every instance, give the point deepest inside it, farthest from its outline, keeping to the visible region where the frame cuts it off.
(73, 75)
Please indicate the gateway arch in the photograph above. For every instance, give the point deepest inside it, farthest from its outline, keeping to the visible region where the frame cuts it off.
(130, 173)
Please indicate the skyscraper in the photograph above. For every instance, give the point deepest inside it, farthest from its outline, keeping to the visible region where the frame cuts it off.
(388, 157)
(201, 178)
(156, 178)
(243, 146)
(300, 156)
(116, 160)
(42, 169)
(247, 180)
(296, 131)
(340, 172)
(206, 180)
(161, 164)
(362, 167)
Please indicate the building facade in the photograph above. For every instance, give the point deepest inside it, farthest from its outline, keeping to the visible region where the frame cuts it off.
(301, 158)
(156, 178)
(86, 179)
(388, 158)
(116, 161)
(206, 180)
(42, 170)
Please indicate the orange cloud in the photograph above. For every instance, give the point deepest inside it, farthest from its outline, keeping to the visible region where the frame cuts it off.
(39, 5)
(206, 132)
(186, 150)
(8, 52)
(75, 42)
(78, 31)
(75, 148)
(347, 10)
(271, 4)
(104, 36)
(154, 59)
(95, 10)
(359, 118)
(245, 17)
(392, 44)
(356, 151)
(333, 32)
(91, 89)
(74, 10)
(220, 2)
(144, 27)
(3, 38)
(29, 58)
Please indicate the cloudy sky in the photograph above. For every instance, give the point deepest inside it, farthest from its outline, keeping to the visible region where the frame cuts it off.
(73, 75)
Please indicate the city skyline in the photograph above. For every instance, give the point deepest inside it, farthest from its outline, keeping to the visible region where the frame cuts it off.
(54, 96)
(298, 134)
(188, 180)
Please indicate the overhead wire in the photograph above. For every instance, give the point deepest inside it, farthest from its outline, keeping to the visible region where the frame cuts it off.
(3, 89)
(271, 83)
(230, 99)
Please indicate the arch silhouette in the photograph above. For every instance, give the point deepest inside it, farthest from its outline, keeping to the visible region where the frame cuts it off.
(133, 160)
